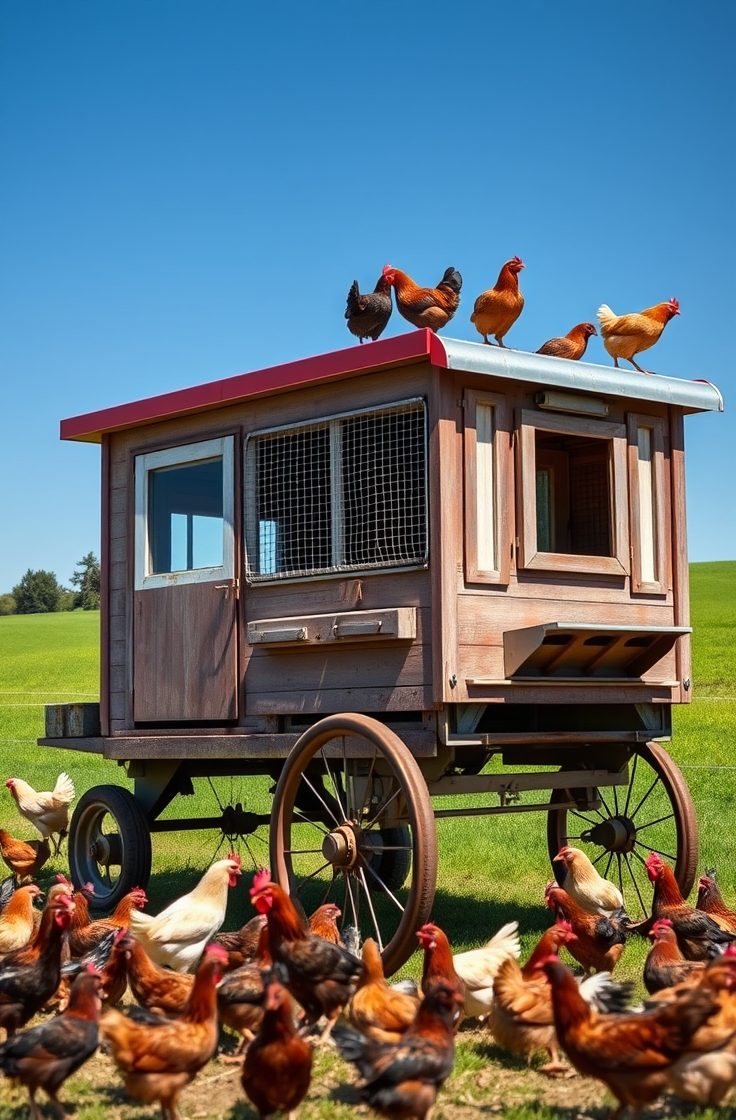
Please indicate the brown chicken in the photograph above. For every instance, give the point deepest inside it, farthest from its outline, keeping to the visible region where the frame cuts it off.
(497, 309)
(699, 937)
(85, 935)
(706, 1072)
(114, 975)
(630, 1053)
(599, 941)
(571, 345)
(30, 976)
(323, 923)
(159, 1057)
(45, 1056)
(17, 919)
(710, 901)
(425, 307)
(278, 1063)
(241, 945)
(376, 1009)
(439, 966)
(665, 965)
(23, 857)
(401, 1080)
(368, 314)
(625, 336)
(159, 990)
(321, 975)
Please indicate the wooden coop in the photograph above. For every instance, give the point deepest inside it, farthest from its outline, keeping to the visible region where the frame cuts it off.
(367, 575)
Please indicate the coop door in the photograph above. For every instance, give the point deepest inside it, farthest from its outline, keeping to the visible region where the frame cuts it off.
(185, 653)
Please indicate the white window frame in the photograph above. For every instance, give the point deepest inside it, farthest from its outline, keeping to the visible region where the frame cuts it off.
(654, 478)
(175, 457)
(488, 487)
(529, 556)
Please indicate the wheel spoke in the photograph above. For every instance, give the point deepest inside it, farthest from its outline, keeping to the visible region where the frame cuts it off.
(644, 798)
(367, 790)
(356, 922)
(394, 848)
(305, 820)
(631, 784)
(608, 865)
(302, 851)
(575, 813)
(321, 799)
(657, 850)
(615, 799)
(636, 886)
(334, 786)
(620, 876)
(603, 853)
(308, 877)
(649, 824)
(382, 809)
(605, 805)
(381, 883)
(370, 907)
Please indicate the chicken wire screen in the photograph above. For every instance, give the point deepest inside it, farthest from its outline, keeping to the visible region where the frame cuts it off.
(340, 494)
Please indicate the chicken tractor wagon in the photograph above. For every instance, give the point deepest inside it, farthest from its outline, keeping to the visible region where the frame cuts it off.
(361, 577)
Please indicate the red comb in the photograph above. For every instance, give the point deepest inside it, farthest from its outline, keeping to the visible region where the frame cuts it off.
(63, 879)
(216, 951)
(235, 858)
(675, 301)
(260, 880)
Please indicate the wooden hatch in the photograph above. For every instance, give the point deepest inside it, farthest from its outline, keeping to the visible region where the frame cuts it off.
(573, 649)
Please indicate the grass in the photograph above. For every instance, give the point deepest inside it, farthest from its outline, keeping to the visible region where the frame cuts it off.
(492, 869)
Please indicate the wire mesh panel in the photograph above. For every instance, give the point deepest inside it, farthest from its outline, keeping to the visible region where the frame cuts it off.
(341, 494)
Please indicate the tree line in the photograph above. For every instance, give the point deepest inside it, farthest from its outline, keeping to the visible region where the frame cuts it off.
(39, 592)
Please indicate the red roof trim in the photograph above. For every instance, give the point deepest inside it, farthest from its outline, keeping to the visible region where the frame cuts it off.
(292, 375)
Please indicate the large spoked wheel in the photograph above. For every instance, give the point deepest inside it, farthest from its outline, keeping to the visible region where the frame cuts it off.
(352, 830)
(653, 813)
(109, 845)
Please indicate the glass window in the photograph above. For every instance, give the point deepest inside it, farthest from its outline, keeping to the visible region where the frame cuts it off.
(647, 504)
(488, 478)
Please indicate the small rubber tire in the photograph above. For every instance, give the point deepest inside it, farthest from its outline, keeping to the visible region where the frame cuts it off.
(394, 867)
(134, 840)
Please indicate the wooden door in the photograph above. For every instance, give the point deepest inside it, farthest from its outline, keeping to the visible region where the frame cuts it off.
(185, 632)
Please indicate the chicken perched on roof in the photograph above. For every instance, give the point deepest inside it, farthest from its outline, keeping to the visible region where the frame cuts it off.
(571, 345)
(368, 314)
(426, 307)
(625, 336)
(497, 309)
(48, 811)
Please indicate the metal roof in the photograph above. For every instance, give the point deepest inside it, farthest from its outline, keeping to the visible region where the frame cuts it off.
(447, 353)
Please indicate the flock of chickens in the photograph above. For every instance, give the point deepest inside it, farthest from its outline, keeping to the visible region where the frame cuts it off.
(277, 978)
(495, 312)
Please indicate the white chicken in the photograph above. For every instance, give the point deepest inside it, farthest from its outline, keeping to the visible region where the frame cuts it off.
(178, 935)
(478, 968)
(48, 811)
(583, 883)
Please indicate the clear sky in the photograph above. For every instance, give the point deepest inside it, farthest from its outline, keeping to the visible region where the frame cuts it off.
(187, 190)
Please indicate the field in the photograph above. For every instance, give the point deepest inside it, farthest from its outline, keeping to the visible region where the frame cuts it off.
(53, 658)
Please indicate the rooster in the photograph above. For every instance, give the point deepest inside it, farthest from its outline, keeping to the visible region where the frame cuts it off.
(45, 1056)
(699, 937)
(30, 976)
(376, 1009)
(158, 1057)
(583, 883)
(49, 811)
(630, 1053)
(665, 965)
(710, 901)
(177, 936)
(475, 969)
(23, 857)
(368, 314)
(572, 345)
(278, 1063)
(625, 336)
(497, 309)
(425, 307)
(599, 941)
(321, 975)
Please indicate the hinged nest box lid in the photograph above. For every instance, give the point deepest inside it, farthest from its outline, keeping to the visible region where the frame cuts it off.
(572, 649)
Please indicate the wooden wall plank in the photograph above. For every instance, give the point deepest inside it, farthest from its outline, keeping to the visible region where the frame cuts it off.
(395, 699)
(680, 571)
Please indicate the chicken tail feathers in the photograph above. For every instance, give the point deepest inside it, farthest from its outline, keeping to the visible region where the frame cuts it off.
(452, 279)
(353, 307)
(606, 996)
(606, 317)
(64, 788)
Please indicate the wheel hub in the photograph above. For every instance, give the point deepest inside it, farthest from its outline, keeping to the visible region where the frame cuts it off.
(107, 850)
(617, 834)
(342, 845)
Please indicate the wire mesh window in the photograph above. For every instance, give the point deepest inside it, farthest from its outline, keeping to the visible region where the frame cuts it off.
(341, 494)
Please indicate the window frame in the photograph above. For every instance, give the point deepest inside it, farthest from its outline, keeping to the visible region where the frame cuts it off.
(528, 556)
(183, 455)
(501, 485)
(658, 586)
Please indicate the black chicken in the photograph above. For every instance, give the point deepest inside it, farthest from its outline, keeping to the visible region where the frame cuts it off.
(368, 315)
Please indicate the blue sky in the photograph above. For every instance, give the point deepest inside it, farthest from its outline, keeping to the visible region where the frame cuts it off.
(187, 190)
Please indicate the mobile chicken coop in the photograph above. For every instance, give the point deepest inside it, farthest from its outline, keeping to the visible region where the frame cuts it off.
(404, 581)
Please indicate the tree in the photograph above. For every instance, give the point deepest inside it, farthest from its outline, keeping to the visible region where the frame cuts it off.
(88, 582)
(7, 604)
(38, 592)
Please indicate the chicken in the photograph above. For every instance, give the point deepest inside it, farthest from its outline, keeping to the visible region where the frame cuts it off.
(85, 935)
(159, 1057)
(571, 345)
(710, 901)
(16, 921)
(706, 1072)
(629, 1053)
(585, 886)
(665, 965)
(521, 1017)
(625, 336)
(477, 969)
(278, 1063)
(376, 1009)
(45, 1056)
(7, 888)
(599, 940)
(177, 936)
(425, 307)
(439, 963)
(240, 996)
(368, 314)
(497, 309)
(30, 976)
(321, 975)
(159, 990)
(401, 1080)
(241, 945)
(23, 857)
(323, 923)
(49, 811)
(114, 974)
(699, 937)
